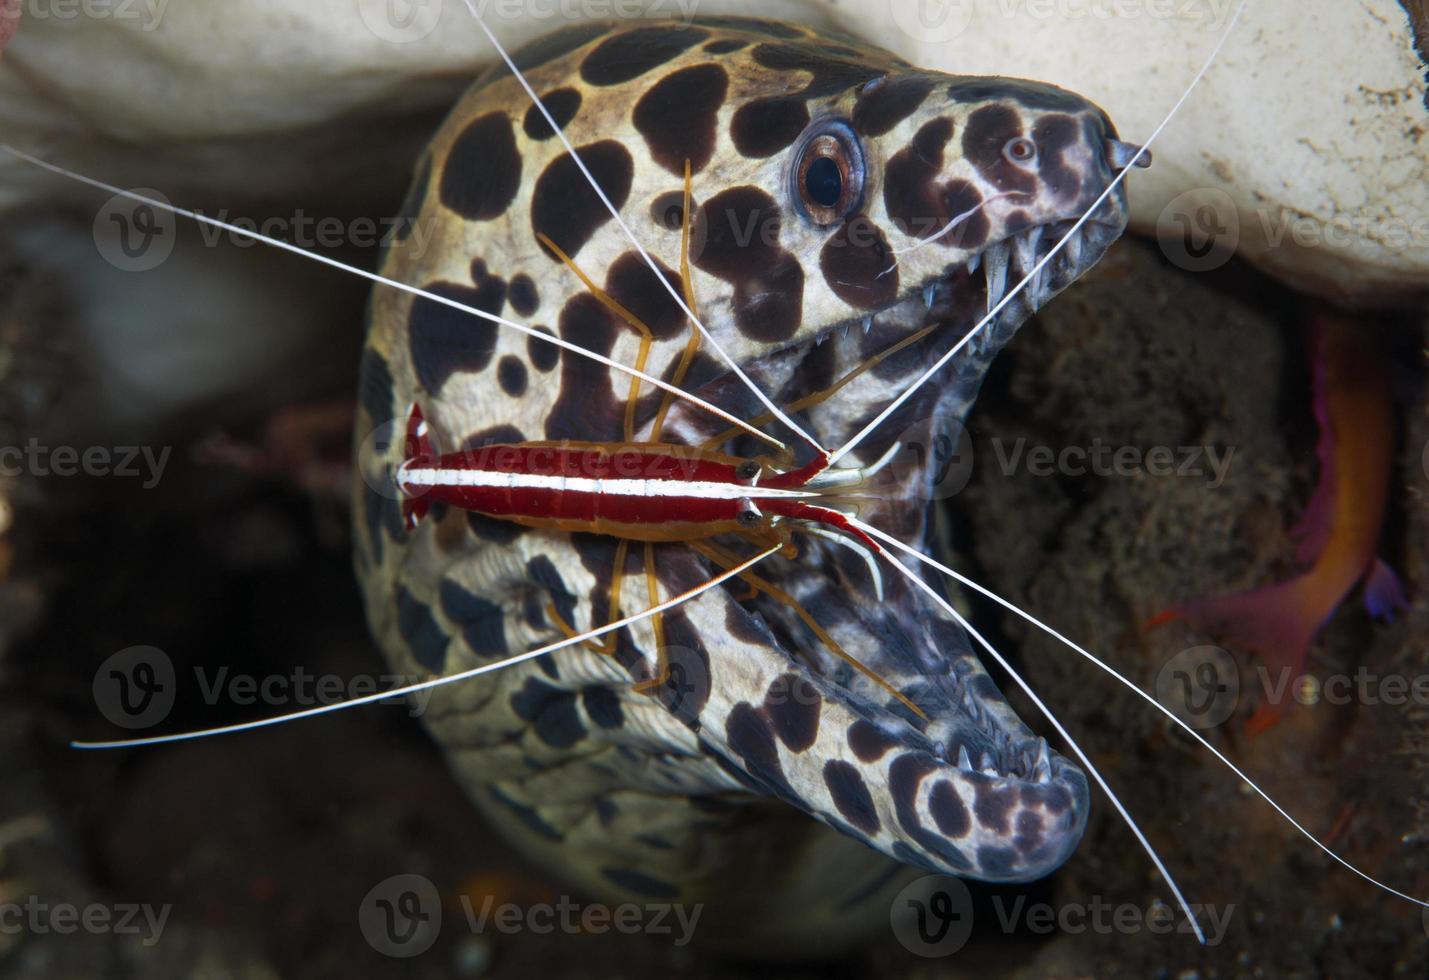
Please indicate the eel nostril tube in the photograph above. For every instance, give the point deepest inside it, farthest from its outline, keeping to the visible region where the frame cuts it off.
(1120, 154)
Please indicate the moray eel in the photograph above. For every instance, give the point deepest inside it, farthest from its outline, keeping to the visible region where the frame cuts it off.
(937, 192)
(1340, 530)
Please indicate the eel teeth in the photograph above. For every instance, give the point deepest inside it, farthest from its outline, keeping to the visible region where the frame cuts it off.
(1042, 766)
(930, 292)
(974, 263)
(1073, 250)
(1026, 246)
(964, 761)
(989, 768)
(867, 324)
(996, 271)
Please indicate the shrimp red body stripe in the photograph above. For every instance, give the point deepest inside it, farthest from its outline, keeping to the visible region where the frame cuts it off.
(649, 492)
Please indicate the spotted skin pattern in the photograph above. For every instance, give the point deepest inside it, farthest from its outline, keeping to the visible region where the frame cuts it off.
(669, 797)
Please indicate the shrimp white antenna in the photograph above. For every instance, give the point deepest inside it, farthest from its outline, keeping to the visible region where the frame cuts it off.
(1017, 679)
(1131, 686)
(774, 409)
(281, 245)
(1032, 273)
(519, 658)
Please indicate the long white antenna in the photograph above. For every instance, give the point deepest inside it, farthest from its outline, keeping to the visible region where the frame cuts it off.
(1131, 823)
(278, 243)
(1130, 686)
(1032, 273)
(774, 409)
(519, 658)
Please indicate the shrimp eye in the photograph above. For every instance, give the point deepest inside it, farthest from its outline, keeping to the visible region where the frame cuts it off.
(748, 469)
(1019, 150)
(828, 172)
(749, 515)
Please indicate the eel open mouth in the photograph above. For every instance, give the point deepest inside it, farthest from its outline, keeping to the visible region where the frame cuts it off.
(975, 792)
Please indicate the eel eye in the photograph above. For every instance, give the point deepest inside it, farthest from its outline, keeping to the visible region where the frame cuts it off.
(1019, 150)
(829, 172)
(749, 515)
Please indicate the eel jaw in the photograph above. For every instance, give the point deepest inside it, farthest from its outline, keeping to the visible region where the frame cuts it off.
(975, 792)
